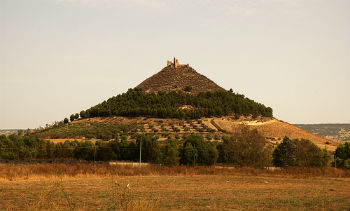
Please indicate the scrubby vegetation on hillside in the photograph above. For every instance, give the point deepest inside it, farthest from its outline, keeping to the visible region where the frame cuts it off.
(136, 102)
(98, 130)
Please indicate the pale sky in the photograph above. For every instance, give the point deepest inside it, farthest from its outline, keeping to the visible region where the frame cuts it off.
(58, 57)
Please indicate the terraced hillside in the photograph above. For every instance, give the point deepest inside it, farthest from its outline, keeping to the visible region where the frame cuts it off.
(213, 129)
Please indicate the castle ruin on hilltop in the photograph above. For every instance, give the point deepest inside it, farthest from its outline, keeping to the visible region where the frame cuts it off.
(174, 64)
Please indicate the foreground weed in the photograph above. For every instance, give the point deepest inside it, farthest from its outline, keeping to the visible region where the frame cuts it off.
(55, 198)
(120, 196)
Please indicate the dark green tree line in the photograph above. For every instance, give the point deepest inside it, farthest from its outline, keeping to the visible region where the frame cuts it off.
(135, 102)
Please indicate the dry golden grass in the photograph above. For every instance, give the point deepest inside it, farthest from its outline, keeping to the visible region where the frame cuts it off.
(169, 192)
(105, 187)
(38, 171)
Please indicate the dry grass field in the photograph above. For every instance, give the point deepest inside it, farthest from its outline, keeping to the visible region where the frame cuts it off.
(103, 187)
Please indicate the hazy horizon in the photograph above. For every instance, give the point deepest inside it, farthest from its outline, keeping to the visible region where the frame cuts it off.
(58, 57)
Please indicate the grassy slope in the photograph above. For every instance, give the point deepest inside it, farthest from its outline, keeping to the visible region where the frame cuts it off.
(277, 129)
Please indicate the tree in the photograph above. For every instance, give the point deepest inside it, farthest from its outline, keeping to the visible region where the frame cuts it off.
(76, 116)
(72, 117)
(65, 120)
(246, 148)
(326, 157)
(189, 155)
(196, 151)
(106, 150)
(82, 114)
(308, 154)
(342, 156)
(299, 153)
(171, 154)
(150, 148)
(84, 150)
(285, 153)
(211, 154)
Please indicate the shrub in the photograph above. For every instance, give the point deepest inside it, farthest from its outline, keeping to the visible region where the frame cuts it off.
(188, 89)
(208, 136)
(216, 137)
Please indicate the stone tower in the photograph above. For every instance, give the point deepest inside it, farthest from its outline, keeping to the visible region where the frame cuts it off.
(175, 63)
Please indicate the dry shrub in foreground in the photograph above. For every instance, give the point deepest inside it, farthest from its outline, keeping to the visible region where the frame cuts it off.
(28, 171)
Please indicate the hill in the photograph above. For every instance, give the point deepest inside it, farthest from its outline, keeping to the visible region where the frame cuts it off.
(9, 131)
(175, 102)
(335, 132)
(178, 77)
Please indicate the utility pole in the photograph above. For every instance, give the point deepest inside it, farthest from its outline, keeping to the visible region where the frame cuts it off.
(140, 150)
(95, 152)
